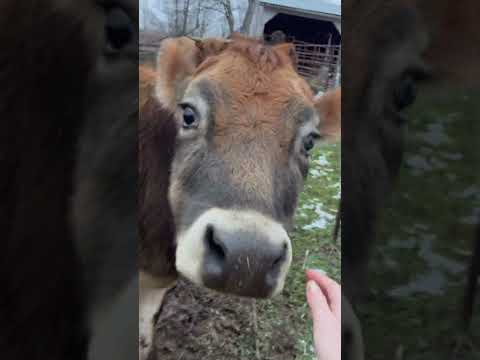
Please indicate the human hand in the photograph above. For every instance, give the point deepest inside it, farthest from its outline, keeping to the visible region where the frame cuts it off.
(324, 298)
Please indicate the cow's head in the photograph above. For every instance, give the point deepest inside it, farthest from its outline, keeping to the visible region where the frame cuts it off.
(404, 49)
(246, 123)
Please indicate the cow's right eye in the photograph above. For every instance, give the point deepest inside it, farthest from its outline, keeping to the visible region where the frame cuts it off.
(119, 29)
(405, 92)
(190, 118)
(308, 144)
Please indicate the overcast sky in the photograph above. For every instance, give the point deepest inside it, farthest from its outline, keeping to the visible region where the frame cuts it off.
(156, 6)
(214, 25)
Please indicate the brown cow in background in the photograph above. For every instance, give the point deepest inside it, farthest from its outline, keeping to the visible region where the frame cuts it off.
(390, 48)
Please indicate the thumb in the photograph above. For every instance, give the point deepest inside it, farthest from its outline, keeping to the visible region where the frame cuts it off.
(316, 300)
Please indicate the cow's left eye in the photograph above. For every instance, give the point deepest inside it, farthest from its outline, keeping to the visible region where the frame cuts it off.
(405, 92)
(119, 29)
(309, 142)
(189, 117)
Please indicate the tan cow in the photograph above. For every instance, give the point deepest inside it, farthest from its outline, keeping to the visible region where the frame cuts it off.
(224, 151)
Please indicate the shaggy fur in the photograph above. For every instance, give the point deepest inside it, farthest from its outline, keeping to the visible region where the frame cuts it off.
(42, 313)
(68, 208)
(329, 106)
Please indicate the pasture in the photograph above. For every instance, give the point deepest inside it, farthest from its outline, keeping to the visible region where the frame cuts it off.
(197, 323)
(418, 271)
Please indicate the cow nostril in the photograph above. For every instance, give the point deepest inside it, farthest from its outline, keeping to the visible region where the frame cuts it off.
(214, 245)
(280, 259)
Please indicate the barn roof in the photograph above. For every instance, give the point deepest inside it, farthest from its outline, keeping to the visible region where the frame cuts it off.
(330, 7)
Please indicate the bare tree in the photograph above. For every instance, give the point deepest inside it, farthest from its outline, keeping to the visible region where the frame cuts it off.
(150, 19)
(247, 20)
(186, 12)
(192, 17)
(153, 22)
(176, 13)
(200, 19)
(225, 8)
(186, 17)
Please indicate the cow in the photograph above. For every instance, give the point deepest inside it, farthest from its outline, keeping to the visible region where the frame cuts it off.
(329, 106)
(399, 47)
(226, 130)
(69, 109)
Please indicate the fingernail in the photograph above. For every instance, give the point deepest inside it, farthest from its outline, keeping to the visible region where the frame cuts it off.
(319, 271)
(312, 286)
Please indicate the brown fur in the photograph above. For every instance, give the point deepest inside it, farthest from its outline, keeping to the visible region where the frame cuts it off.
(260, 79)
(62, 142)
(156, 141)
(157, 133)
(42, 313)
(257, 96)
(147, 78)
(329, 107)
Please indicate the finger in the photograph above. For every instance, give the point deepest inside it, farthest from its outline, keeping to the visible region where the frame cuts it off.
(331, 290)
(316, 300)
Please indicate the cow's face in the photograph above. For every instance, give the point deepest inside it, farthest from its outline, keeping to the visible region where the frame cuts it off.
(246, 126)
(389, 54)
(108, 133)
(382, 84)
(385, 58)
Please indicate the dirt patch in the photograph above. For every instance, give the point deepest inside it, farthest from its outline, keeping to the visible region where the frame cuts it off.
(196, 323)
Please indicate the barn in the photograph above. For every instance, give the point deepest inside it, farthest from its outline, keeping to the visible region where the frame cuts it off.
(314, 26)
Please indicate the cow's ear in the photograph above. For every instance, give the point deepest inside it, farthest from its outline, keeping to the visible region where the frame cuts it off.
(329, 108)
(177, 60)
(146, 84)
(211, 47)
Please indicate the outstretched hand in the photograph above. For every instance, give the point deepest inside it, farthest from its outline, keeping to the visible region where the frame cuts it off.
(324, 298)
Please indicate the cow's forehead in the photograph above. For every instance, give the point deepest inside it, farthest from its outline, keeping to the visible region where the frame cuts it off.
(237, 71)
(235, 82)
(224, 99)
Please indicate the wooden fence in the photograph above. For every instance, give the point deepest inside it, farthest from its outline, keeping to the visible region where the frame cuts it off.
(319, 64)
(149, 42)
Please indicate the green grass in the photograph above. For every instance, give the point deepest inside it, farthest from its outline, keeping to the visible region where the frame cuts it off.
(432, 235)
(313, 247)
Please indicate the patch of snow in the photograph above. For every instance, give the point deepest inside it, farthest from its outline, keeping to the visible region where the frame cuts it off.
(314, 173)
(434, 281)
(435, 135)
(421, 164)
(471, 219)
(322, 160)
(471, 192)
(452, 156)
(323, 220)
(418, 162)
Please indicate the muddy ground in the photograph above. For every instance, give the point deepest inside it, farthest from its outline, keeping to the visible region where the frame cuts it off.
(199, 324)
